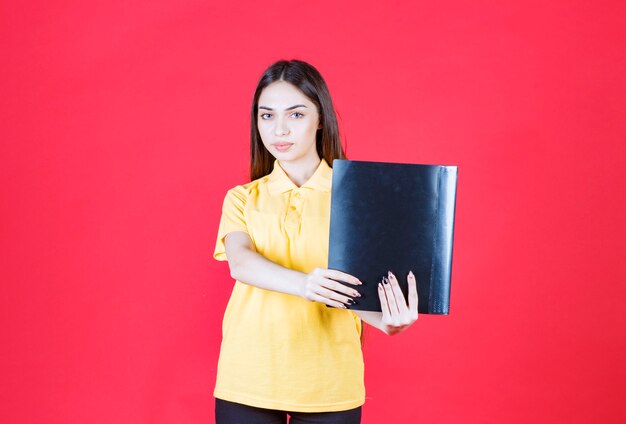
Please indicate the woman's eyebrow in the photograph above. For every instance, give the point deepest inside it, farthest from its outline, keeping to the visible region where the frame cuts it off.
(289, 108)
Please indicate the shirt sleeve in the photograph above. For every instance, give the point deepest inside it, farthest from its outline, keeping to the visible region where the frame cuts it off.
(233, 219)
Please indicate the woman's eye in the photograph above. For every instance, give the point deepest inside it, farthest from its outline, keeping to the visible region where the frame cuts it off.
(297, 115)
(265, 116)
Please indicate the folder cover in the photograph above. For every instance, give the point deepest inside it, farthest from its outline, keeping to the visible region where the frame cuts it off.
(394, 217)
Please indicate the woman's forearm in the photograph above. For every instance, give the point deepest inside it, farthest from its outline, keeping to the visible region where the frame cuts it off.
(375, 319)
(252, 268)
(320, 285)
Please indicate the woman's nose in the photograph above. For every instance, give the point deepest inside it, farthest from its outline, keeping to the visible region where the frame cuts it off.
(281, 127)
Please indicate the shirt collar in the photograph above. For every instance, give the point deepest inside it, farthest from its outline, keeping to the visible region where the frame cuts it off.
(279, 181)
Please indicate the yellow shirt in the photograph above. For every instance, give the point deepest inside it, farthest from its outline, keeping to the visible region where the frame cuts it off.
(281, 351)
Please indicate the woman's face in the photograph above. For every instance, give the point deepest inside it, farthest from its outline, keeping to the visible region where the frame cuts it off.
(287, 121)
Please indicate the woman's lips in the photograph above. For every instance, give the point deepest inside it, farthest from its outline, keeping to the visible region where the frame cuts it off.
(282, 147)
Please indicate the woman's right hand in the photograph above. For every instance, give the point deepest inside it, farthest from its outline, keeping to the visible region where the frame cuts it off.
(320, 286)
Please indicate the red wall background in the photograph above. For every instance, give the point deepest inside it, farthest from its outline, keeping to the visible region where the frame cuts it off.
(124, 123)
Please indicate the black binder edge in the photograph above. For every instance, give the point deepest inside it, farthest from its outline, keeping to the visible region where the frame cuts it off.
(438, 302)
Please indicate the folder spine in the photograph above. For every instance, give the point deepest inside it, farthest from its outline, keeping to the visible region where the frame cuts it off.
(441, 267)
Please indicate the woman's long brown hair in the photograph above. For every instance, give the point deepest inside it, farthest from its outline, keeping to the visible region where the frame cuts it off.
(308, 80)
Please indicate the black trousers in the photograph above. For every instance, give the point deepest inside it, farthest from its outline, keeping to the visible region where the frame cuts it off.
(235, 413)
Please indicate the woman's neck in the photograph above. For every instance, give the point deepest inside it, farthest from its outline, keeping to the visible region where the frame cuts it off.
(300, 172)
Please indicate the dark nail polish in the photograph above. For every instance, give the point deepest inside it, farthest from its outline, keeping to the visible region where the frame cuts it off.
(350, 302)
(385, 280)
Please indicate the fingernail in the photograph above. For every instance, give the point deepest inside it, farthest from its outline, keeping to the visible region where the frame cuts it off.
(356, 294)
(411, 274)
(380, 286)
(385, 280)
(349, 301)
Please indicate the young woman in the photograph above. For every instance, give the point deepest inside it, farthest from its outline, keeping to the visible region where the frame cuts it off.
(284, 352)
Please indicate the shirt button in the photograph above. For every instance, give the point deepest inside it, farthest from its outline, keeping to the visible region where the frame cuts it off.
(297, 194)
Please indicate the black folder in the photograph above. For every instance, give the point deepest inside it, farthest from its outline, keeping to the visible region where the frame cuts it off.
(394, 217)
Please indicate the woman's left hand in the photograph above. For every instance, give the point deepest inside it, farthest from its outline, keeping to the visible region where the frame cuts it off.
(397, 316)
